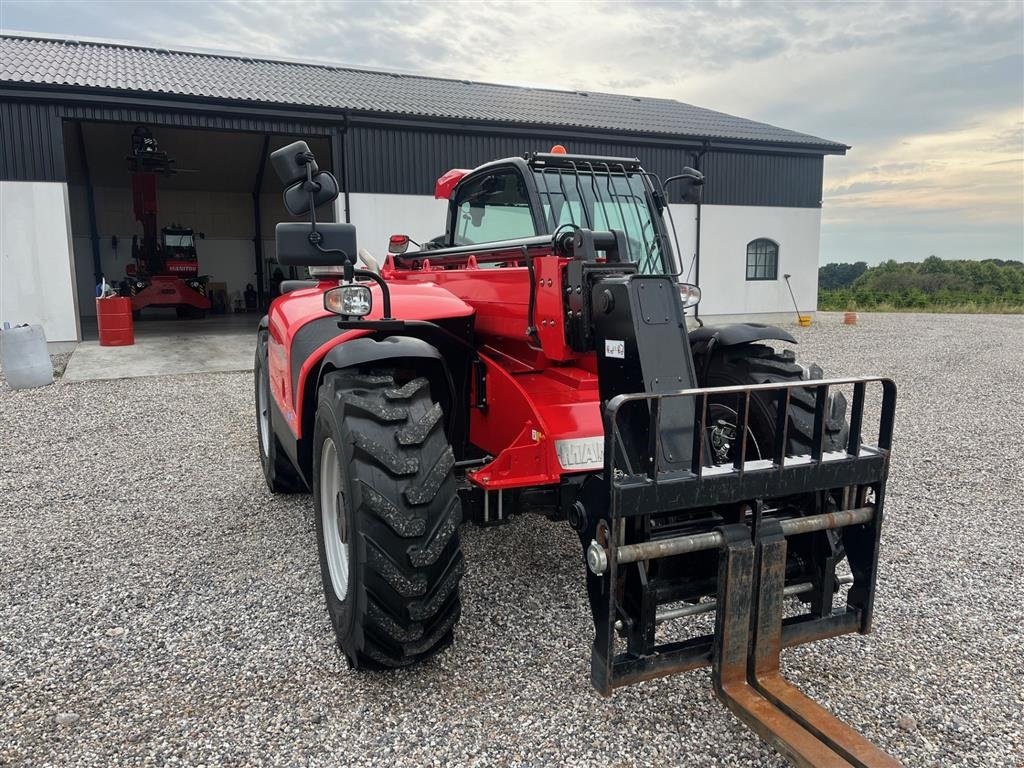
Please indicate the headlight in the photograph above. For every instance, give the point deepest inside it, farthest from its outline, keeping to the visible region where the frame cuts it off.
(351, 300)
(690, 294)
(140, 284)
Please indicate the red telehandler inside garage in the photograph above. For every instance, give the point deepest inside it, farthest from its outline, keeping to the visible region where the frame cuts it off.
(165, 268)
(538, 358)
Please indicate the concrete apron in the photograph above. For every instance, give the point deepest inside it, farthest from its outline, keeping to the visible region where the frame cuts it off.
(163, 355)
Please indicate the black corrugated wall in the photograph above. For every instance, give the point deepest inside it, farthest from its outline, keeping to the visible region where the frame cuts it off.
(395, 161)
(31, 142)
(32, 138)
(747, 178)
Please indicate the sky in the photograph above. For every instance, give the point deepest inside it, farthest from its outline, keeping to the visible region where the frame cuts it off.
(930, 95)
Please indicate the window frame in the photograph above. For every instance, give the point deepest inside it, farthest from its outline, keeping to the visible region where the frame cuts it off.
(763, 267)
(539, 226)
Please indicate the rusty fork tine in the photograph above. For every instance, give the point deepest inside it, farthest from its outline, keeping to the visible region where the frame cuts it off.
(765, 674)
(729, 665)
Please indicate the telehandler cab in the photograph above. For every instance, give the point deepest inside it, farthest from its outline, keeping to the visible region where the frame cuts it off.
(537, 357)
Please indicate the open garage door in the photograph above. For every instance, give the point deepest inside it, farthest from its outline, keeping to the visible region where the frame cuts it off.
(213, 204)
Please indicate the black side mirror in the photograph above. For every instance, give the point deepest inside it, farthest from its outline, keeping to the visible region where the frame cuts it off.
(308, 186)
(298, 200)
(337, 244)
(291, 162)
(310, 243)
(692, 180)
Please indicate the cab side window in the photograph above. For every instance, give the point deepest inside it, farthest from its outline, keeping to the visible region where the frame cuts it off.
(492, 208)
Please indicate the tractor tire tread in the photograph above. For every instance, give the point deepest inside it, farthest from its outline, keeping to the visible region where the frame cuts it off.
(278, 472)
(383, 412)
(422, 611)
(407, 390)
(406, 512)
(416, 432)
(758, 363)
(421, 556)
(392, 573)
(393, 461)
(402, 523)
(425, 492)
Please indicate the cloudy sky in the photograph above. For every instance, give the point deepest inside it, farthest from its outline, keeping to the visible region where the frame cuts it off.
(930, 95)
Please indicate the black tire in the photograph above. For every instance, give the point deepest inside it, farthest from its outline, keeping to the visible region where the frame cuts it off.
(759, 364)
(278, 471)
(400, 513)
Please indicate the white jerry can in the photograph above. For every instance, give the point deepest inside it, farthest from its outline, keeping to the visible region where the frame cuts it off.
(24, 358)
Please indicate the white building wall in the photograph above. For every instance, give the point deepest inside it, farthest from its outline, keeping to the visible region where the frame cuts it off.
(725, 232)
(378, 217)
(37, 269)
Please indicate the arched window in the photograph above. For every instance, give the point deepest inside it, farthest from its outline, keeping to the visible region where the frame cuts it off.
(762, 259)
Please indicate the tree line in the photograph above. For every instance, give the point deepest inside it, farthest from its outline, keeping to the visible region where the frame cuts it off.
(949, 285)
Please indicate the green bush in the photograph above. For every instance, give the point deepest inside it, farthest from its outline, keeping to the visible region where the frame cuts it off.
(934, 285)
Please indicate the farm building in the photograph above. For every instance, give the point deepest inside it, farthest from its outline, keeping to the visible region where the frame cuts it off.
(69, 110)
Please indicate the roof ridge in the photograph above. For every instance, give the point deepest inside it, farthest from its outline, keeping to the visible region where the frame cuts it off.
(289, 61)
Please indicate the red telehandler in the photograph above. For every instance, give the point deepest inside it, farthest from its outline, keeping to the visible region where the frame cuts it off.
(537, 357)
(165, 267)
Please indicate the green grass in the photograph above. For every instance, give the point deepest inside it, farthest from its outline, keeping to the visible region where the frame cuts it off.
(846, 300)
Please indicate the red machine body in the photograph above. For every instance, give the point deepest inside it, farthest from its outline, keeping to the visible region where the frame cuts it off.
(549, 422)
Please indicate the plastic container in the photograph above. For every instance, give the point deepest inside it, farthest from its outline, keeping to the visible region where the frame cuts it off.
(114, 321)
(24, 357)
(805, 321)
(849, 318)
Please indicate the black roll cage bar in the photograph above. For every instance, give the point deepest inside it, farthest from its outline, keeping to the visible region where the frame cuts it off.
(525, 166)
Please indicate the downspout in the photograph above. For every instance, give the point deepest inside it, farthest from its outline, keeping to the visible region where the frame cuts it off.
(338, 152)
(696, 248)
(257, 221)
(94, 237)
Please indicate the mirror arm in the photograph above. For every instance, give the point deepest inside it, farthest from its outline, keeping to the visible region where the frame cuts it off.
(315, 238)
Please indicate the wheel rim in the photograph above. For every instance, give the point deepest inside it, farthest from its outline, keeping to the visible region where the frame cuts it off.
(722, 443)
(332, 513)
(263, 406)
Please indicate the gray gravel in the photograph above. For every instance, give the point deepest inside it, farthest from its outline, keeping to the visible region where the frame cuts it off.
(160, 607)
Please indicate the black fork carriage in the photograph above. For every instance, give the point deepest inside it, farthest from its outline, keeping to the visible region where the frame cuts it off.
(652, 558)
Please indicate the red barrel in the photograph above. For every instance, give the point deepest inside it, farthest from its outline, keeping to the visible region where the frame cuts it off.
(114, 318)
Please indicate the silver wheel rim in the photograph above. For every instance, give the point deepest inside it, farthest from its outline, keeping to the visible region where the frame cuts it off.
(263, 407)
(728, 412)
(336, 545)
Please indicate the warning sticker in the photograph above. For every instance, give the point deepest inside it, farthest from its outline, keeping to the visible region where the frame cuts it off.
(615, 348)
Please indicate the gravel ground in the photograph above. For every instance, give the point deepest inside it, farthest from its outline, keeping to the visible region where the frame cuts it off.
(161, 607)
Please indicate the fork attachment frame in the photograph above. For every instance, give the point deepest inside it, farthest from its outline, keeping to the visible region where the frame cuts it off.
(745, 511)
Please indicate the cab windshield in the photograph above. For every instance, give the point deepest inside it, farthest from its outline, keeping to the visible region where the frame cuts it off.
(178, 240)
(602, 200)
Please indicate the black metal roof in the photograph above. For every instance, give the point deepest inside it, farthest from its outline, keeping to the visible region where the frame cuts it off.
(29, 60)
